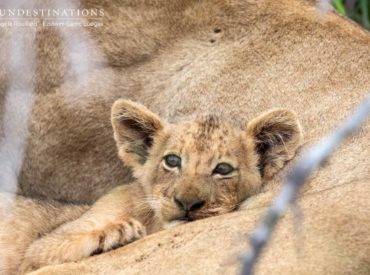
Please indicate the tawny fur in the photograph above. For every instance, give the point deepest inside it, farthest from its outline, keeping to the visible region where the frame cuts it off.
(161, 55)
(265, 54)
(147, 205)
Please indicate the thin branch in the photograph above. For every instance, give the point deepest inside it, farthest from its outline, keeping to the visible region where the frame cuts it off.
(310, 161)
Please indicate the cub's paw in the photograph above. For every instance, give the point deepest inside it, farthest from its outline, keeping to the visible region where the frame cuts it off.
(119, 234)
(73, 245)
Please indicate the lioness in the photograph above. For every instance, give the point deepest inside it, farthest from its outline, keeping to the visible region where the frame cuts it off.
(263, 54)
(184, 171)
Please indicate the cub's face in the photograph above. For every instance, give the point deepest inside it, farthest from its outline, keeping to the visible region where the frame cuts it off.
(202, 168)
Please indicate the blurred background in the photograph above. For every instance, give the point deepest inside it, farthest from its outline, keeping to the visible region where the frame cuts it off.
(357, 10)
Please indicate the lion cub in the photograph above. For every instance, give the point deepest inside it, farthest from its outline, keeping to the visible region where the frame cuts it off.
(184, 171)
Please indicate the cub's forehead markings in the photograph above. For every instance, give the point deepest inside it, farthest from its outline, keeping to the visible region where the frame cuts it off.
(208, 125)
(197, 163)
(206, 134)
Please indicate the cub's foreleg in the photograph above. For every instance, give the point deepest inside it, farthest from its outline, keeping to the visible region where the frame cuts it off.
(109, 223)
(22, 220)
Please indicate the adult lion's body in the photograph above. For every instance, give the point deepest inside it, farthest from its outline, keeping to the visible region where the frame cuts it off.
(186, 58)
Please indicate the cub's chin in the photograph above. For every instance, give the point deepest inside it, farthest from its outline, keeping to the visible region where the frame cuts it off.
(173, 223)
(180, 220)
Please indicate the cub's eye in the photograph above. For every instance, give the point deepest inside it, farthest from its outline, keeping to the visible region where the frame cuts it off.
(172, 161)
(223, 169)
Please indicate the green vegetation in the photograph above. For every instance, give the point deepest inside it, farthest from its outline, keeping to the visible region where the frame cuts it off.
(358, 10)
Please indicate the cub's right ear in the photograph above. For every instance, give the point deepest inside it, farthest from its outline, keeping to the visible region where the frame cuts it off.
(276, 135)
(134, 129)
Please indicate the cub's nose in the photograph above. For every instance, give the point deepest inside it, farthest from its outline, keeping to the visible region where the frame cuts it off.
(189, 204)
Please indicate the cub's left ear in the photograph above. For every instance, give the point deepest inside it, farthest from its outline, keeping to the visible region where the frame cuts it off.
(276, 135)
